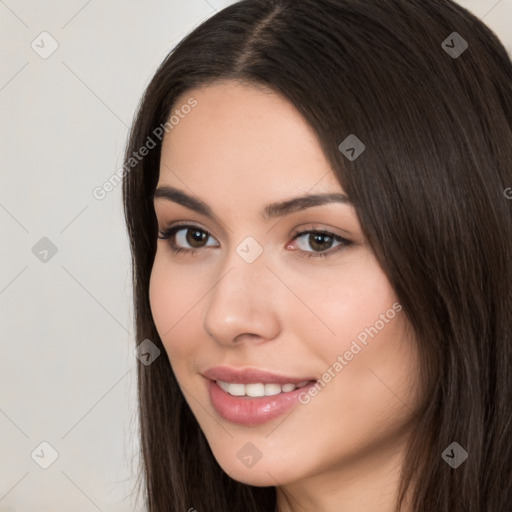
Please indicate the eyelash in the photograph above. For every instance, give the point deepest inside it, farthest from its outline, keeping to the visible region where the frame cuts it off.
(169, 233)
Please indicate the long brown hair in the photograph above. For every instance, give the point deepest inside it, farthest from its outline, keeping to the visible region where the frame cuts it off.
(431, 191)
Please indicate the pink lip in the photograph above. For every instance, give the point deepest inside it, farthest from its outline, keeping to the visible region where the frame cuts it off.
(250, 375)
(245, 410)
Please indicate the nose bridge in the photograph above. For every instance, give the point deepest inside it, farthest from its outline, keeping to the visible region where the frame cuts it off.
(240, 301)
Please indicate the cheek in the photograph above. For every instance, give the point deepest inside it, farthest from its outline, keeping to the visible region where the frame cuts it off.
(161, 294)
(172, 297)
(357, 317)
(341, 308)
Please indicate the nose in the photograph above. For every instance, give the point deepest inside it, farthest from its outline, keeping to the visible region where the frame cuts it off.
(243, 305)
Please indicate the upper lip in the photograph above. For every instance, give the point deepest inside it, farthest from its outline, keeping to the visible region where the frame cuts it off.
(250, 375)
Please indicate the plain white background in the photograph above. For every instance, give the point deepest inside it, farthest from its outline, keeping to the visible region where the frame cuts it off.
(67, 368)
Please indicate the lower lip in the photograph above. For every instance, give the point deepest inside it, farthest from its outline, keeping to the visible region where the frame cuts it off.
(246, 410)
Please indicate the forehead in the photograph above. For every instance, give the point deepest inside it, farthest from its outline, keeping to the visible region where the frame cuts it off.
(240, 137)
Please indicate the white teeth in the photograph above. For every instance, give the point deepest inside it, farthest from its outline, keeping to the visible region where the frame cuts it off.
(258, 389)
(272, 389)
(223, 385)
(236, 389)
(254, 389)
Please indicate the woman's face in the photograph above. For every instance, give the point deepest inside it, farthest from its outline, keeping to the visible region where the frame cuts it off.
(252, 288)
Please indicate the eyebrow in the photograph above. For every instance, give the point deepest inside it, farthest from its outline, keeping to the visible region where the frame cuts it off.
(270, 211)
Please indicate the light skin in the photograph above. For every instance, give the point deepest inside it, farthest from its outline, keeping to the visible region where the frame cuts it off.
(239, 150)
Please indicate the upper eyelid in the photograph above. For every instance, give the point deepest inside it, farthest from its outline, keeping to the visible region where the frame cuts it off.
(296, 233)
(337, 238)
(342, 241)
(220, 225)
(327, 231)
(224, 228)
(189, 224)
(178, 227)
(171, 231)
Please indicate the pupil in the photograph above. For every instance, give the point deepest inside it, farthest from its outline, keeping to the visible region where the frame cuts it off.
(195, 237)
(320, 242)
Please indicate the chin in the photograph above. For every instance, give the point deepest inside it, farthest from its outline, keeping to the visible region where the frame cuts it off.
(257, 477)
(265, 472)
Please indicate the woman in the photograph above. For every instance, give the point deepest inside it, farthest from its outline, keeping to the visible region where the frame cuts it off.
(321, 242)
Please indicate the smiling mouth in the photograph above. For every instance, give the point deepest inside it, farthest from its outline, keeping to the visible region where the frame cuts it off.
(259, 389)
(253, 402)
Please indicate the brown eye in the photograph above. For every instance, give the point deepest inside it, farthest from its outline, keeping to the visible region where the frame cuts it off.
(187, 238)
(196, 237)
(315, 243)
(320, 241)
